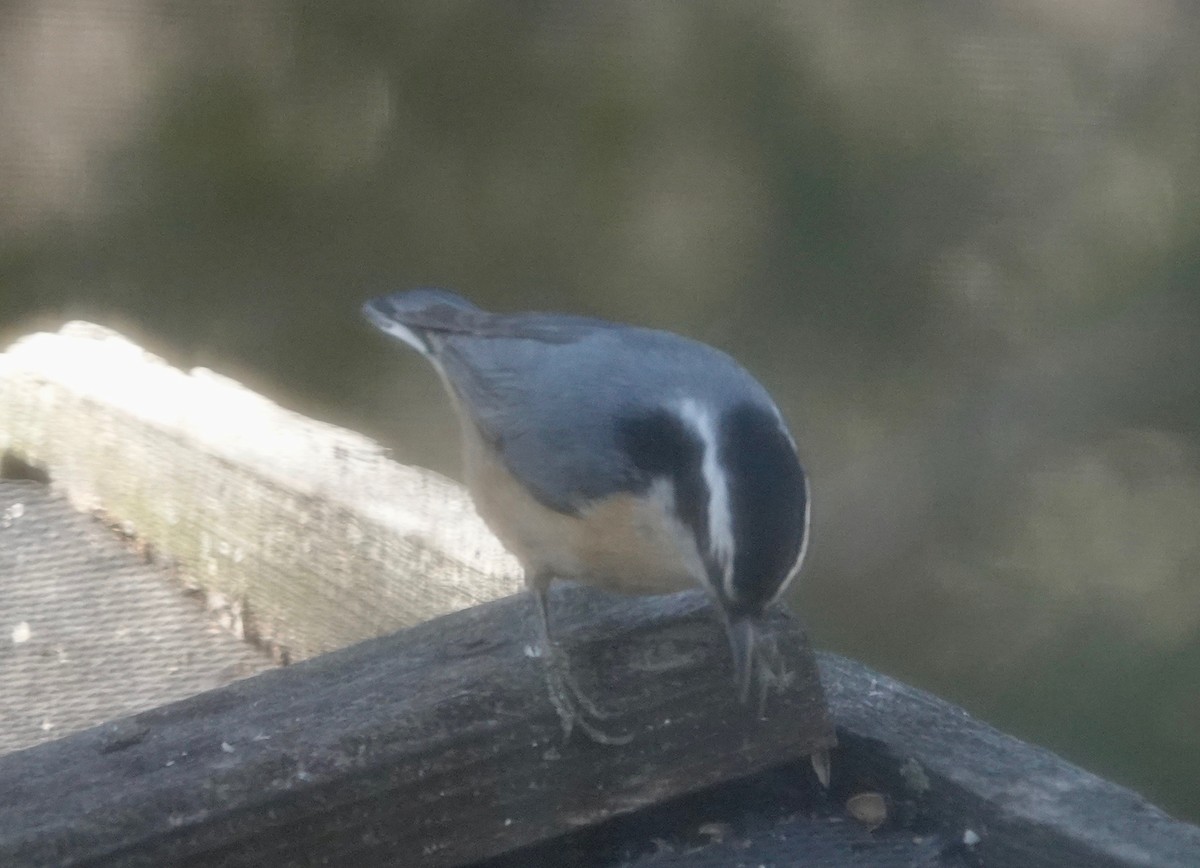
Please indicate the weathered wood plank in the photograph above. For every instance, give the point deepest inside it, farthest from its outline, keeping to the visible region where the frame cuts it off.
(1029, 807)
(433, 746)
(958, 792)
(311, 535)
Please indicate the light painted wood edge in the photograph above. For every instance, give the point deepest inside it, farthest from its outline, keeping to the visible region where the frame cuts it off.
(313, 536)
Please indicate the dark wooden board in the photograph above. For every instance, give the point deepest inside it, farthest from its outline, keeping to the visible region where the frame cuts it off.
(433, 746)
(1029, 807)
(958, 793)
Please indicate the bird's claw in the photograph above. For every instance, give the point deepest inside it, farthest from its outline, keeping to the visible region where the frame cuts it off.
(574, 706)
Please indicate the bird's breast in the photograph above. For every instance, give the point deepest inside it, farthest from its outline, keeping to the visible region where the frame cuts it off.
(629, 542)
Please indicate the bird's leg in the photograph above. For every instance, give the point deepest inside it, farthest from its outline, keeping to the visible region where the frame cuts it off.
(756, 657)
(772, 670)
(569, 700)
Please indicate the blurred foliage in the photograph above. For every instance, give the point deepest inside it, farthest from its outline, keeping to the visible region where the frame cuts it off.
(958, 241)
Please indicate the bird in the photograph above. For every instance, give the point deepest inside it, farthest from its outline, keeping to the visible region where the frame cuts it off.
(622, 457)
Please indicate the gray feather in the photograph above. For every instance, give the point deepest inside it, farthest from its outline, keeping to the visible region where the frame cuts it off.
(545, 389)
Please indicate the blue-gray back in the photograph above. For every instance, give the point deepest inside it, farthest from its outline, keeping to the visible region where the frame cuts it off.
(548, 391)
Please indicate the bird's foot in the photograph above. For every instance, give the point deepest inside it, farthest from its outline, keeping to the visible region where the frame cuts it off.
(757, 661)
(574, 706)
(771, 672)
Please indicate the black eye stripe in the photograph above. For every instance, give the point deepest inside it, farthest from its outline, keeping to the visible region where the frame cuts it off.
(660, 445)
(767, 492)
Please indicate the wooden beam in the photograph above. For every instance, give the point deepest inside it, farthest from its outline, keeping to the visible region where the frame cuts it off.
(1021, 804)
(433, 746)
(311, 535)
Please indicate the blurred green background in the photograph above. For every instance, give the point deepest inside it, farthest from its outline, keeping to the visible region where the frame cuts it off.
(959, 242)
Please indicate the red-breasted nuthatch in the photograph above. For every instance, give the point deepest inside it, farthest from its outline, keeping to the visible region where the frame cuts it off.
(622, 457)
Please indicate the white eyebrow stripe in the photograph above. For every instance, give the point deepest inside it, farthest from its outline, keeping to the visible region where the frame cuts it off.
(804, 540)
(720, 521)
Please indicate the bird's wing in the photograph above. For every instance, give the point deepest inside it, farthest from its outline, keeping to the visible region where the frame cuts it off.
(546, 407)
(540, 388)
